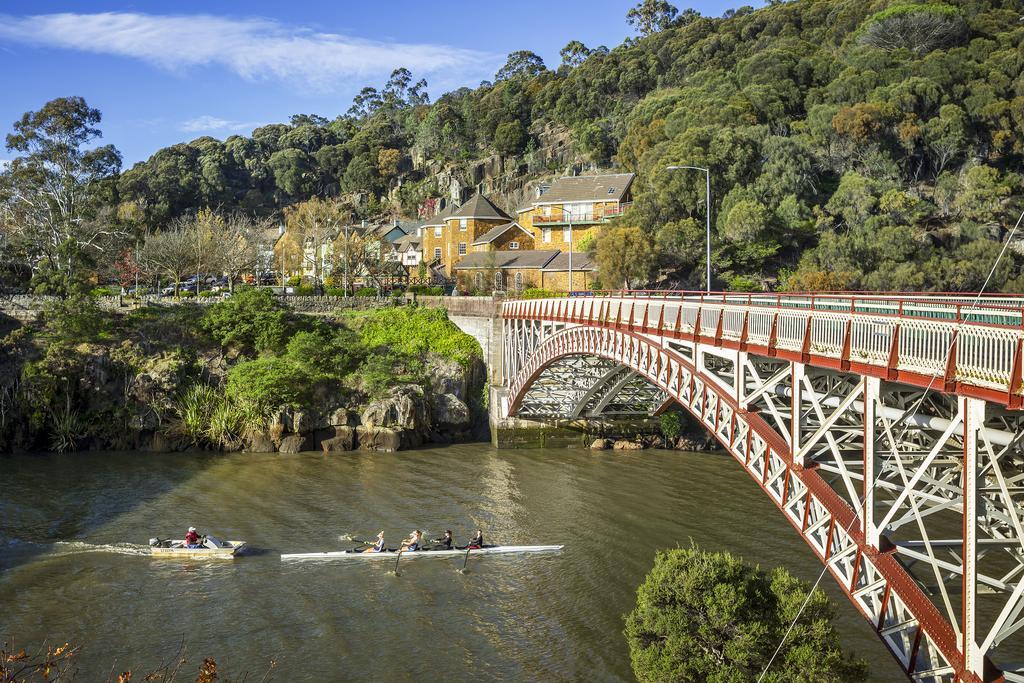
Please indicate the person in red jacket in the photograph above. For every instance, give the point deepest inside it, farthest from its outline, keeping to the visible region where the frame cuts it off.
(192, 538)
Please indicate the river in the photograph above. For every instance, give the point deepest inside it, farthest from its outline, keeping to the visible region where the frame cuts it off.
(73, 566)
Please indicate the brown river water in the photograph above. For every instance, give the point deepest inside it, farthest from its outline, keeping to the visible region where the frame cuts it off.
(74, 564)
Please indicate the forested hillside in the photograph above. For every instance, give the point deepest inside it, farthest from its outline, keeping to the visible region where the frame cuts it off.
(852, 144)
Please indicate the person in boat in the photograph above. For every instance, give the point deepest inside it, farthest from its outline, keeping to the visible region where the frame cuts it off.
(445, 542)
(477, 541)
(378, 546)
(192, 538)
(414, 542)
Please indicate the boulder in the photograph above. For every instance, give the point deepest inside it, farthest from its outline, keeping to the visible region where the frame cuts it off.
(261, 442)
(302, 421)
(381, 439)
(338, 418)
(404, 408)
(337, 439)
(450, 412)
(600, 444)
(623, 445)
(295, 443)
(446, 377)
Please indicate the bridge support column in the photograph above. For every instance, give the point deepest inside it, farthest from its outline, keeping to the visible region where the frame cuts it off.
(973, 412)
(872, 388)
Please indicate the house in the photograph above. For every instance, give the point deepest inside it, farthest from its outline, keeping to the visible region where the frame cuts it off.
(517, 270)
(410, 251)
(507, 236)
(578, 205)
(265, 248)
(449, 243)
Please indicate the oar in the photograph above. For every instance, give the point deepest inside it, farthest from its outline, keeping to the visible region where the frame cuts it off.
(466, 561)
(397, 560)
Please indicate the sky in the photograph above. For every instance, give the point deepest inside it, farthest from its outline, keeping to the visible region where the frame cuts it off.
(163, 73)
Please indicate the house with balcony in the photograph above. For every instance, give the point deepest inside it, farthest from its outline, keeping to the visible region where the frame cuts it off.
(576, 205)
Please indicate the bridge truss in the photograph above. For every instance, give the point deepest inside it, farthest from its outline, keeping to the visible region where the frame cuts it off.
(888, 432)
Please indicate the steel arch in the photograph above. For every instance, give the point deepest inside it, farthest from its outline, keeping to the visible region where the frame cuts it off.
(923, 641)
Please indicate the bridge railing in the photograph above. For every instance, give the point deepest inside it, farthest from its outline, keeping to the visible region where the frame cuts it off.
(948, 341)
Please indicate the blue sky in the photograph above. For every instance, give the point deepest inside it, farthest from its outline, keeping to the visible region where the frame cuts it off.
(170, 72)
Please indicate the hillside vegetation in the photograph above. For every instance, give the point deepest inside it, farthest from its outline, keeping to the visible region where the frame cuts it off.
(852, 144)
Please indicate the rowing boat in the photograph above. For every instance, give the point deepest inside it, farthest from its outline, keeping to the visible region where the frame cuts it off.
(426, 552)
(209, 548)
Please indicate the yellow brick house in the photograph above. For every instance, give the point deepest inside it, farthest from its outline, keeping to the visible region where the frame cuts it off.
(576, 204)
(450, 242)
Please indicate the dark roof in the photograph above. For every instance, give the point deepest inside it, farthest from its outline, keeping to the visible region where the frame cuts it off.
(439, 217)
(580, 261)
(588, 188)
(499, 230)
(408, 242)
(480, 207)
(516, 258)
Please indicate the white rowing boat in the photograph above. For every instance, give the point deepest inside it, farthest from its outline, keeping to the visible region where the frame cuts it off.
(209, 547)
(426, 552)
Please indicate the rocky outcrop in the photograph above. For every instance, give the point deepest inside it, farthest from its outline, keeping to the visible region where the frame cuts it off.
(381, 439)
(404, 408)
(337, 439)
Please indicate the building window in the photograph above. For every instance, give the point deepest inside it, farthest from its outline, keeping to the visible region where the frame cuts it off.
(498, 281)
(437, 231)
(462, 248)
(513, 245)
(463, 224)
(566, 235)
(519, 282)
(437, 253)
(547, 234)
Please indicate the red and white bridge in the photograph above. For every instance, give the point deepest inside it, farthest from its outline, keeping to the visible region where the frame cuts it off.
(888, 430)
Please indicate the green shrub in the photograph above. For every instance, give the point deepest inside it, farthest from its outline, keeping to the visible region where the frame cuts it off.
(383, 369)
(671, 424)
(426, 290)
(703, 616)
(76, 319)
(294, 281)
(194, 408)
(325, 353)
(537, 293)
(104, 291)
(334, 291)
(185, 295)
(366, 291)
(414, 331)
(269, 382)
(206, 294)
(251, 320)
(304, 290)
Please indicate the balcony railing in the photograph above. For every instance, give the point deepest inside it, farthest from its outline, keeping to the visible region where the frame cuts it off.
(598, 215)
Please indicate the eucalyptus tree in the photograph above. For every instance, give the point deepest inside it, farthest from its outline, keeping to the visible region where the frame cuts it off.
(54, 191)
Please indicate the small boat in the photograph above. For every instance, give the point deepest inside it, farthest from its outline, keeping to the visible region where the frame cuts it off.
(209, 547)
(426, 552)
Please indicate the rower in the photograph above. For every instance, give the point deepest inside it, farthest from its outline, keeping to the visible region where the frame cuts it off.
(414, 541)
(477, 541)
(192, 538)
(445, 542)
(377, 547)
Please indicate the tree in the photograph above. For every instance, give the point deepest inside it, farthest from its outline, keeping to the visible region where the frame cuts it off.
(169, 253)
(917, 27)
(625, 257)
(52, 197)
(703, 616)
(237, 245)
(314, 225)
(651, 16)
(574, 53)
(520, 64)
(509, 138)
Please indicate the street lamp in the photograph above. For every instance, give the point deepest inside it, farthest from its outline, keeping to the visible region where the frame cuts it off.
(568, 213)
(707, 211)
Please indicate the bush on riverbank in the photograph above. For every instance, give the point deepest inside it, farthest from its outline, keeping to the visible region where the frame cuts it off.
(703, 616)
(217, 376)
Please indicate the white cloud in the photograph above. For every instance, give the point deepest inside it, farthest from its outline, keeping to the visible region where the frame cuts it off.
(206, 123)
(255, 49)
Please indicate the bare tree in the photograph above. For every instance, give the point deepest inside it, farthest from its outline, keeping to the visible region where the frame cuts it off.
(168, 253)
(238, 245)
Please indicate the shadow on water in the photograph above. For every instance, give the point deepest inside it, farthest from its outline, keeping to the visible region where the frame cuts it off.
(51, 503)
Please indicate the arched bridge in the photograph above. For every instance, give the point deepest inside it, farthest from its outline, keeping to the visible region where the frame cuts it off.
(886, 429)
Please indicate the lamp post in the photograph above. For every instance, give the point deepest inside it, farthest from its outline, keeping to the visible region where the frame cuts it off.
(568, 213)
(707, 211)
